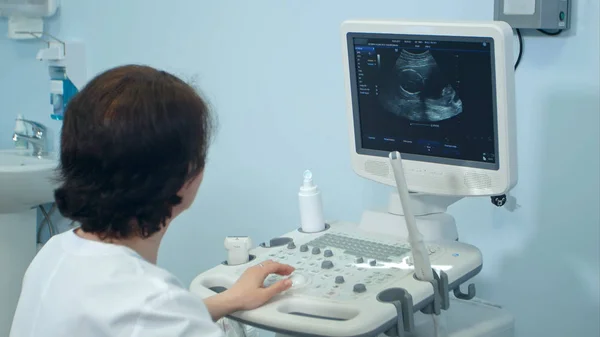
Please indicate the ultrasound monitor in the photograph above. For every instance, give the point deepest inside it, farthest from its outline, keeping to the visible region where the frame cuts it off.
(440, 93)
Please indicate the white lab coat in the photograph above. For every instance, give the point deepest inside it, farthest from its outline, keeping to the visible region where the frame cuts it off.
(78, 287)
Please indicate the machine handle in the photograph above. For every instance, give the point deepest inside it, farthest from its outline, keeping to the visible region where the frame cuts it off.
(296, 322)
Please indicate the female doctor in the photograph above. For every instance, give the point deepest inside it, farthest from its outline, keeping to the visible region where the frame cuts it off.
(132, 156)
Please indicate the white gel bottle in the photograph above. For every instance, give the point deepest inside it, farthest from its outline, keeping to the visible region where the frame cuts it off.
(311, 206)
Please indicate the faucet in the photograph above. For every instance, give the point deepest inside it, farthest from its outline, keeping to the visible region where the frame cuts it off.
(39, 139)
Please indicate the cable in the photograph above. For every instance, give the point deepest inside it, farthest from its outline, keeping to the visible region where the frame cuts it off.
(422, 264)
(46, 221)
(420, 253)
(520, 36)
(520, 48)
(558, 32)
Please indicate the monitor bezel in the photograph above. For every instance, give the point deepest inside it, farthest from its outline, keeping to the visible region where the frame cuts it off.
(426, 177)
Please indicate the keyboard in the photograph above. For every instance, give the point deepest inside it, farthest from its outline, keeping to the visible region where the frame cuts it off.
(360, 247)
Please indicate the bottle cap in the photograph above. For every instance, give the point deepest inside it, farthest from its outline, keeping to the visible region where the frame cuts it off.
(308, 186)
(308, 182)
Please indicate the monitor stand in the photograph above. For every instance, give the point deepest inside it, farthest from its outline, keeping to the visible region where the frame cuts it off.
(430, 212)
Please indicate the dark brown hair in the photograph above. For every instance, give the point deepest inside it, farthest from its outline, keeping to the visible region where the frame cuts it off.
(130, 140)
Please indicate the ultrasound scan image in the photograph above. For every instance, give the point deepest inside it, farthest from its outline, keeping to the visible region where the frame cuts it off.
(418, 91)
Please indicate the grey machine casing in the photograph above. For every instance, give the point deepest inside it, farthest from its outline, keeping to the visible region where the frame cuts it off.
(548, 15)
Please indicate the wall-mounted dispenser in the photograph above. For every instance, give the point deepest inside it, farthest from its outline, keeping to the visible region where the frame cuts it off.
(66, 67)
(26, 17)
(65, 59)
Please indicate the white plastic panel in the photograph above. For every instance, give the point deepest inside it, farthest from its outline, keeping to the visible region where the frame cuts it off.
(28, 8)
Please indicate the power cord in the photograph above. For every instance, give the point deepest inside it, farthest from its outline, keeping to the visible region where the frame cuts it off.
(520, 36)
(520, 48)
(558, 32)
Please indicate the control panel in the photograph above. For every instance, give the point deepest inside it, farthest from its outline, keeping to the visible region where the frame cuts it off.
(345, 280)
(344, 267)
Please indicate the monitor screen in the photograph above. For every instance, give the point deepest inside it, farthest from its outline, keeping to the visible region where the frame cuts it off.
(430, 98)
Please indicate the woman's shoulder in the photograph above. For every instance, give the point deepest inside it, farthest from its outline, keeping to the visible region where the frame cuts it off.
(117, 270)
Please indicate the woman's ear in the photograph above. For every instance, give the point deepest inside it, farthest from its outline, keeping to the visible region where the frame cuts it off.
(188, 193)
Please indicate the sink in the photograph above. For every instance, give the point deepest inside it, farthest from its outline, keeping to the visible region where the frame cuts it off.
(26, 181)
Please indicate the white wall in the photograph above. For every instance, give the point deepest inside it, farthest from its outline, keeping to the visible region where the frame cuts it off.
(272, 70)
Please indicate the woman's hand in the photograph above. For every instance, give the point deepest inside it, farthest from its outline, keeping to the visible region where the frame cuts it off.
(249, 290)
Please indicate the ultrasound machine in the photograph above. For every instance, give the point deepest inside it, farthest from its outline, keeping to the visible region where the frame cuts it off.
(431, 113)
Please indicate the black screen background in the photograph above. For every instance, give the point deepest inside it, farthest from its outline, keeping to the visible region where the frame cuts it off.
(468, 136)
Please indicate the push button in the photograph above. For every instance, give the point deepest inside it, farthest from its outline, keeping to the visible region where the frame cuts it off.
(327, 264)
(359, 288)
